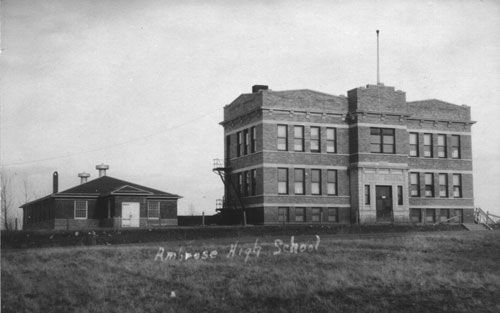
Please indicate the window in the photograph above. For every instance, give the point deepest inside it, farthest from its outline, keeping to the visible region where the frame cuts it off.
(443, 185)
(316, 182)
(246, 176)
(428, 145)
(299, 181)
(253, 146)
(246, 142)
(414, 185)
(414, 144)
(455, 147)
(457, 186)
(254, 182)
(415, 215)
(298, 141)
(333, 215)
(315, 139)
(400, 195)
(300, 214)
(367, 195)
(382, 140)
(153, 209)
(331, 140)
(332, 182)
(283, 181)
(240, 184)
(316, 215)
(430, 215)
(444, 214)
(441, 146)
(228, 146)
(283, 216)
(81, 209)
(459, 216)
(282, 137)
(429, 184)
(239, 143)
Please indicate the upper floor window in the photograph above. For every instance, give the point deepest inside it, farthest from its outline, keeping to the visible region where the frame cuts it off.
(443, 185)
(241, 187)
(253, 135)
(315, 182)
(457, 185)
(331, 140)
(153, 209)
(332, 182)
(382, 140)
(282, 180)
(315, 139)
(81, 209)
(441, 148)
(298, 141)
(414, 185)
(429, 184)
(239, 143)
(246, 177)
(299, 181)
(427, 145)
(282, 137)
(414, 144)
(254, 182)
(455, 146)
(246, 142)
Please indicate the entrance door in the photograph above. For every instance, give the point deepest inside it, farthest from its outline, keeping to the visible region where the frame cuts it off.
(130, 214)
(384, 203)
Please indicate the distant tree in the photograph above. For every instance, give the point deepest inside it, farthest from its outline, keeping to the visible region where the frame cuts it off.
(6, 198)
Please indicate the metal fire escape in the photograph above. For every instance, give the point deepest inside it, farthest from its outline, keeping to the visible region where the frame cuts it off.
(233, 200)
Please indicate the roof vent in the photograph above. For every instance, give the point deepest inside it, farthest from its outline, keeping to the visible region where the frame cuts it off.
(83, 177)
(257, 88)
(102, 169)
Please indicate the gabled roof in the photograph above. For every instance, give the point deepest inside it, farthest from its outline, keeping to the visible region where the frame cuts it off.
(106, 185)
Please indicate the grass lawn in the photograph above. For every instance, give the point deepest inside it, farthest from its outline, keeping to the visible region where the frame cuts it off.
(407, 272)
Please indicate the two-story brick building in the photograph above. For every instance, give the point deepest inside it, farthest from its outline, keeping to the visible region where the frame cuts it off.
(302, 156)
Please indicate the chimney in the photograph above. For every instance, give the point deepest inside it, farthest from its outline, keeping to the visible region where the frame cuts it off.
(102, 169)
(55, 182)
(257, 88)
(83, 177)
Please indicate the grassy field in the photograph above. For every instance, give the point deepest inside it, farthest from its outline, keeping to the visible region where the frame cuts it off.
(407, 272)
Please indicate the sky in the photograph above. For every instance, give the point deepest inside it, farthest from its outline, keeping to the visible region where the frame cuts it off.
(140, 85)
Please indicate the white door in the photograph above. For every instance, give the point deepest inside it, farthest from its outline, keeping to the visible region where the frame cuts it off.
(130, 214)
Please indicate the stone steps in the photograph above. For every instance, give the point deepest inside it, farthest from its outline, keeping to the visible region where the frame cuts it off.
(474, 227)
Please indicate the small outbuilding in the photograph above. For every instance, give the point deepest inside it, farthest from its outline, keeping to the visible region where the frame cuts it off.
(104, 202)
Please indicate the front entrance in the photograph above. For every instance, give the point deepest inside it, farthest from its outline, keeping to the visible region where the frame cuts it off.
(384, 203)
(130, 214)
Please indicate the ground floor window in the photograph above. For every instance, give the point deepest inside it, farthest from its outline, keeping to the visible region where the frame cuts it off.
(153, 209)
(300, 214)
(316, 215)
(283, 216)
(430, 216)
(81, 209)
(459, 216)
(415, 216)
(333, 215)
(444, 214)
